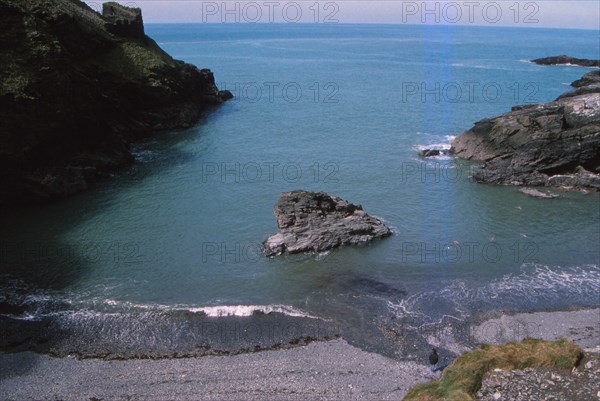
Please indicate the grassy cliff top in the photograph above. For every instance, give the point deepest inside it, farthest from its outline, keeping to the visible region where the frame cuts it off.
(41, 33)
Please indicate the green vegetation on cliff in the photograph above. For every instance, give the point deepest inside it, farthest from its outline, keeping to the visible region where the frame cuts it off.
(461, 380)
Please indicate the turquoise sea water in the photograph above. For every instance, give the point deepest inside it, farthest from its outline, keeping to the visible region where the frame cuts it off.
(337, 108)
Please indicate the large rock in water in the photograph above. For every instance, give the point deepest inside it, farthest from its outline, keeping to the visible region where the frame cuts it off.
(77, 88)
(316, 222)
(555, 144)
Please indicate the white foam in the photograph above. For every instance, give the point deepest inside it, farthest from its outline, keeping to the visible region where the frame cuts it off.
(322, 255)
(565, 64)
(133, 305)
(541, 278)
(406, 306)
(450, 138)
(482, 66)
(247, 310)
(575, 65)
(444, 147)
(26, 316)
(535, 282)
(99, 307)
(438, 146)
(213, 311)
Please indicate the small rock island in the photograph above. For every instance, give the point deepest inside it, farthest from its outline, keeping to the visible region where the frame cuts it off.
(564, 59)
(317, 222)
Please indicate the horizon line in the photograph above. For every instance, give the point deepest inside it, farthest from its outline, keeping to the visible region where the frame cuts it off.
(370, 23)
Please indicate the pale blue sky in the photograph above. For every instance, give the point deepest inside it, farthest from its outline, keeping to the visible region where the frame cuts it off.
(545, 13)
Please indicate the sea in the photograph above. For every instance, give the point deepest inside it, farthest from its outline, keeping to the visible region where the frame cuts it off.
(167, 252)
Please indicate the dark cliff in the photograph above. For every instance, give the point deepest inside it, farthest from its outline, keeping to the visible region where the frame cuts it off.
(77, 88)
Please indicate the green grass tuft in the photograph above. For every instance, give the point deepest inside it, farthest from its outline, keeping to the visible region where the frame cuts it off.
(461, 380)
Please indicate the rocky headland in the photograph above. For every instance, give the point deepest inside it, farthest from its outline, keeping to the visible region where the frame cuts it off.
(556, 144)
(317, 222)
(564, 59)
(77, 88)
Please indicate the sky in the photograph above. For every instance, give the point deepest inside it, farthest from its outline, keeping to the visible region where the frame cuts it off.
(584, 14)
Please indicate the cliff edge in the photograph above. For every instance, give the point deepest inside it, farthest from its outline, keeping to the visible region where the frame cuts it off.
(77, 88)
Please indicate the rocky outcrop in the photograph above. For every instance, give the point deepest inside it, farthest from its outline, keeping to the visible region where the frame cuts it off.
(316, 222)
(592, 77)
(77, 88)
(564, 59)
(555, 144)
(429, 152)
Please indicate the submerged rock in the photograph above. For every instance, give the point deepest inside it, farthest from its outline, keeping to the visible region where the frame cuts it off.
(556, 144)
(564, 59)
(316, 222)
(535, 193)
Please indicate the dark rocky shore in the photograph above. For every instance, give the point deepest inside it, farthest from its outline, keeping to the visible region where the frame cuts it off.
(77, 88)
(317, 222)
(564, 59)
(556, 144)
